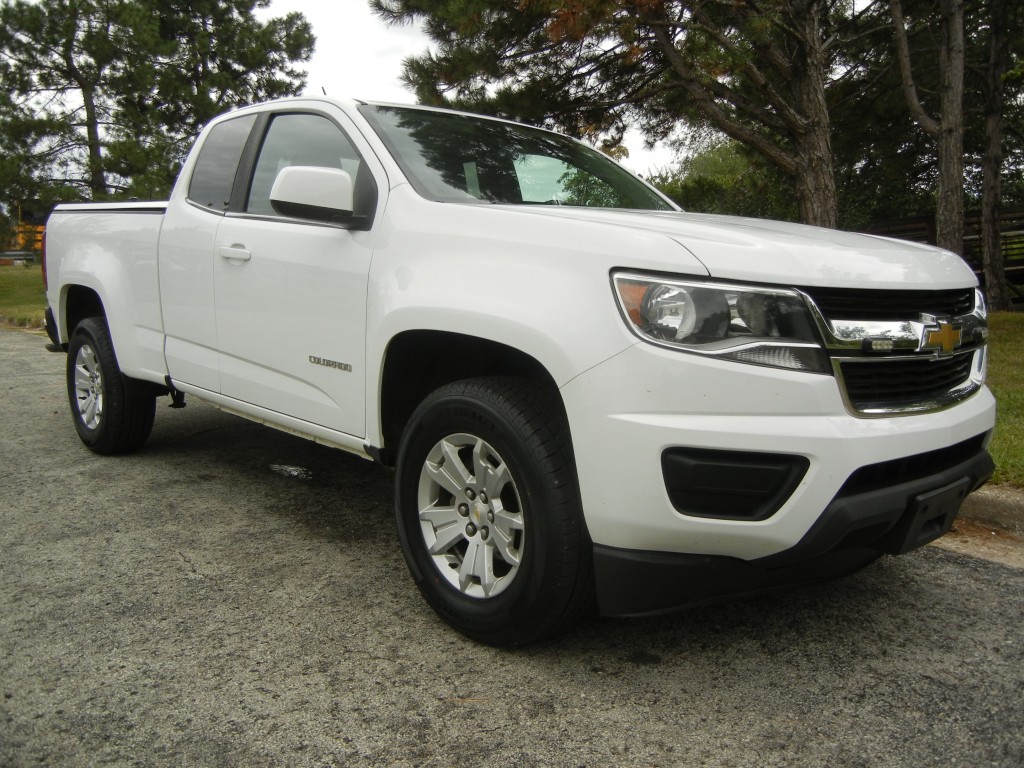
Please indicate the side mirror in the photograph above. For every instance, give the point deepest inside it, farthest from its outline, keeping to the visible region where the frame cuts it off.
(311, 192)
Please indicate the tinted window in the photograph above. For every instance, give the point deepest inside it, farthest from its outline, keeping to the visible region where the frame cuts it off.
(296, 139)
(214, 173)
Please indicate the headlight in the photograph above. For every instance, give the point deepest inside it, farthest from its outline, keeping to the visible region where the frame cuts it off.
(749, 324)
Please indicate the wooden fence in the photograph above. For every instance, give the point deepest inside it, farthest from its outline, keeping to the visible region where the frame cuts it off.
(921, 229)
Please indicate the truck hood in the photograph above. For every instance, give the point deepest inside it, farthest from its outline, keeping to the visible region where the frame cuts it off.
(735, 248)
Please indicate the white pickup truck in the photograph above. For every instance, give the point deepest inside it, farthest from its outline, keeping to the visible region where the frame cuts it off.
(589, 396)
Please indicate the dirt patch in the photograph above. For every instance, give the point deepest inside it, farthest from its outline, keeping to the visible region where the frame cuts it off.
(1001, 506)
(969, 537)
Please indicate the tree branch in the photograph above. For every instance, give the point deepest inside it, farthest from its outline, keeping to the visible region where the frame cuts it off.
(926, 121)
(714, 112)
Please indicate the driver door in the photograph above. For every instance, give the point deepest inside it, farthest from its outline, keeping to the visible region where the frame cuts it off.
(291, 293)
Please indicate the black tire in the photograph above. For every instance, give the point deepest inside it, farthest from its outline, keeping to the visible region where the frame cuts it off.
(507, 570)
(112, 414)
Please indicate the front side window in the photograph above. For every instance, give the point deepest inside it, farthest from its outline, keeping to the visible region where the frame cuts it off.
(452, 157)
(214, 174)
(299, 139)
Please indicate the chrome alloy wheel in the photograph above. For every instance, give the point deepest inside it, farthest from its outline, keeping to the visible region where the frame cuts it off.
(471, 515)
(89, 387)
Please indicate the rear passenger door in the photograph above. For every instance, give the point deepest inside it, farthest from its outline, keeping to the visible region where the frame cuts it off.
(291, 293)
(187, 238)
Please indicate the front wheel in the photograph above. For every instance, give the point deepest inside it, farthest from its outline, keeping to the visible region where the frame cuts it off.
(488, 511)
(109, 416)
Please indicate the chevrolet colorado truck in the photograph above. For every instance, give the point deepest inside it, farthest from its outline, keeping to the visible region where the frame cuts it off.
(589, 397)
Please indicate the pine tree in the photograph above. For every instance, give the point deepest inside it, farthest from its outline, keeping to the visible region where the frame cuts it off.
(106, 96)
(755, 71)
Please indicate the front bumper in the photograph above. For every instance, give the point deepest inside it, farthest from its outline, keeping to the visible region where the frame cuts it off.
(626, 413)
(860, 524)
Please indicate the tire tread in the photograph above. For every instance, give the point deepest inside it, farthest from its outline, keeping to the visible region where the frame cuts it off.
(128, 414)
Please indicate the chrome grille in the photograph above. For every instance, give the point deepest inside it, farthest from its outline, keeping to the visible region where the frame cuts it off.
(932, 355)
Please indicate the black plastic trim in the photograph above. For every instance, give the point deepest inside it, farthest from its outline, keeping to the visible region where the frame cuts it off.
(383, 456)
(637, 583)
(730, 485)
(246, 163)
(156, 209)
(50, 324)
(887, 473)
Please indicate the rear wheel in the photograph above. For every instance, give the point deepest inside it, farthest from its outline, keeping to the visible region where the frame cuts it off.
(111, 413)
(488, 511)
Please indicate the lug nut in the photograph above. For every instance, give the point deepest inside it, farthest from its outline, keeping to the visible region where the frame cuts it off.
(464, 510)
(484, 533)
(490, 516)
(483, 496)
(470, 494)
(471, 530)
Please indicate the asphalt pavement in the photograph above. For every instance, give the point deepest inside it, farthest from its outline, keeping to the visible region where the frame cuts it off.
(235, 596)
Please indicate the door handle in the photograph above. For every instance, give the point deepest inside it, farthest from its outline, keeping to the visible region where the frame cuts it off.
(234, 252)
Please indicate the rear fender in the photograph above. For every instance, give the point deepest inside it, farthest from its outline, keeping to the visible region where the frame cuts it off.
(121, 272)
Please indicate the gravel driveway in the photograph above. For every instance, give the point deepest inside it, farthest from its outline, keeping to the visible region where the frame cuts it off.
(233, 596)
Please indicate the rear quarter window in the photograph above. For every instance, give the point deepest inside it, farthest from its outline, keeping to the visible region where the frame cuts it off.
(214, 174)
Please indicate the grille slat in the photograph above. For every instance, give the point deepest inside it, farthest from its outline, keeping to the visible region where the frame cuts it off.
(854, 304)
(894, 382)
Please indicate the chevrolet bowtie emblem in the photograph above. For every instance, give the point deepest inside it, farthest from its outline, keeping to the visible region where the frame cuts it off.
(946, 338)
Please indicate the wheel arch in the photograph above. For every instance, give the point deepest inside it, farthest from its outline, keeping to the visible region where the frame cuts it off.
(420, 361)
(79, 302)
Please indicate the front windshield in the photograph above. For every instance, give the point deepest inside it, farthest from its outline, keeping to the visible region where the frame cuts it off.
(451, 157)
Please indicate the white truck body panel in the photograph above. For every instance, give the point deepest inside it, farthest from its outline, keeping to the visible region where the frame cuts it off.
(258, 324)
(188, 294)
(734, 248)
(122, 270)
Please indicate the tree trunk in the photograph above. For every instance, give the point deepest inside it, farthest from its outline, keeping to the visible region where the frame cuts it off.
(87, 87)
(798, 137)
(97, 176)
(948, 128)
(992, 161)
(815, 174)
(949, 208)
(816, 192)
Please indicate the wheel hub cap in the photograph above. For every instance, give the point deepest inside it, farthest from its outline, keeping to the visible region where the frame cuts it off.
(471, 516)
(88, 386)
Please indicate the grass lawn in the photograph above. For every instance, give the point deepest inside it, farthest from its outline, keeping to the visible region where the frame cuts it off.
(22, 298)
(22, 302)
(1006, 379)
